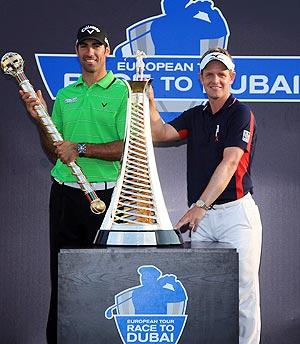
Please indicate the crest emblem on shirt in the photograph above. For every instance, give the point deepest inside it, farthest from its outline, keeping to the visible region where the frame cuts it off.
(246, 136)
(217, 133)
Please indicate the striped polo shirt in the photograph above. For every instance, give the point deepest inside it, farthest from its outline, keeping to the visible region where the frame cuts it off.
(91, 114)
(207, 136)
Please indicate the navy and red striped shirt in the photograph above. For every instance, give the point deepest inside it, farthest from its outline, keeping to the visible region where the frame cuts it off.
(207, 136)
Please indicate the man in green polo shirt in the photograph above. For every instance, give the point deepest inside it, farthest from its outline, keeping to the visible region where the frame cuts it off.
(90, 115)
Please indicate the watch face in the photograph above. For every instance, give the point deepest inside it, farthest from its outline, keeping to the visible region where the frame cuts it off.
(81, 148)
(200, 203)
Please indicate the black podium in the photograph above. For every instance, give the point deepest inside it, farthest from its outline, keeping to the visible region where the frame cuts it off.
(89, 280)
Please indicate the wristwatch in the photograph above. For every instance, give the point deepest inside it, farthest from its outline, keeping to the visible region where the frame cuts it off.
(81, 149)
(201, 204)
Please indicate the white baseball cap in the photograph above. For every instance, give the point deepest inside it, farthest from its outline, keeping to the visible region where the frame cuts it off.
(217, 56)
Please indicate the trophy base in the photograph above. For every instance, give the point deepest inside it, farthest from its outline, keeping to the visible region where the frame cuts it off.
(138, 238)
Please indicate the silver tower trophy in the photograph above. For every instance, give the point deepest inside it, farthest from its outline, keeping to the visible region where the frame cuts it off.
(137, 215)
(12, 64)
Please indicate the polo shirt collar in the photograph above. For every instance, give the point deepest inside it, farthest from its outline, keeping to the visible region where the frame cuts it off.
(230, 101)
(104, 82)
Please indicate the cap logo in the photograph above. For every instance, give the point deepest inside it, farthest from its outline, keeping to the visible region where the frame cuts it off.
(213, 56)
(90, 29)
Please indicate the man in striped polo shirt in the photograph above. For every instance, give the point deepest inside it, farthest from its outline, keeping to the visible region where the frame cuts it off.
(221, 137)
(90, 115)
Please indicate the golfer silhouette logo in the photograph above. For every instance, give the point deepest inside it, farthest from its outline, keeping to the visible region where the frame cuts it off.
(153, 311)
(172, 43)
(185, 27)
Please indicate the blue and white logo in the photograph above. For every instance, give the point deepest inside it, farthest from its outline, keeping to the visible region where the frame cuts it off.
(185, 28)
(153, 311)
(173, 42)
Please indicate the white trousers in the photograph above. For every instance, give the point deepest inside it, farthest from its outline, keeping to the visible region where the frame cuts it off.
(239, 224)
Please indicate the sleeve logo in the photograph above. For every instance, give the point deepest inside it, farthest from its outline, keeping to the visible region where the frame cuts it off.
(246, 136)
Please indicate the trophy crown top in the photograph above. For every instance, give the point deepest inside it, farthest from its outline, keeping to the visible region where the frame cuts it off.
(12, 63)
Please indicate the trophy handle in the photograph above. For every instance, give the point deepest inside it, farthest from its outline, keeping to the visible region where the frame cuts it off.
(12, 64)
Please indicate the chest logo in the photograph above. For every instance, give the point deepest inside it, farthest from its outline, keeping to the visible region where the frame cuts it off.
(217, 133)
(104, 104)
(70, 100)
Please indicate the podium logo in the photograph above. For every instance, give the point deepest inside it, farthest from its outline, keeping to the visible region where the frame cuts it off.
(151, 312)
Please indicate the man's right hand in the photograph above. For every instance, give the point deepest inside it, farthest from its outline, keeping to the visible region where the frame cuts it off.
(31, 103)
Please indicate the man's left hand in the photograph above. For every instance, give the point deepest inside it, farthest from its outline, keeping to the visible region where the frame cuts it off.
(66, 151)
(192, 218)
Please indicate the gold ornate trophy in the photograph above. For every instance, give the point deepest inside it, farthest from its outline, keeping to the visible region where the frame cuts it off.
(137, 215)
(12, 64)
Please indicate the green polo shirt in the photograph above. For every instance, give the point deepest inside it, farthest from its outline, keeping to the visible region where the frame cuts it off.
(95, 114)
